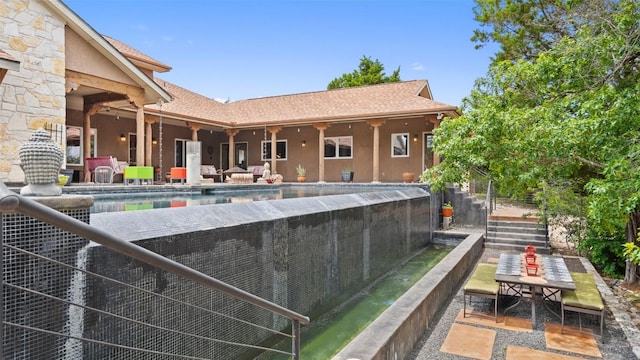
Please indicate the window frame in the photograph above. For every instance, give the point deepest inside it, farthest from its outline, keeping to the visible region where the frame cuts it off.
(81, 156)
(266, 148)
(338, 141)
(394, 137)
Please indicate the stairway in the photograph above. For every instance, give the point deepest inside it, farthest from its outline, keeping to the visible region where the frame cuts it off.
(514, 233)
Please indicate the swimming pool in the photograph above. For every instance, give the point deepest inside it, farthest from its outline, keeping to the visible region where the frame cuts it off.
(115, 202)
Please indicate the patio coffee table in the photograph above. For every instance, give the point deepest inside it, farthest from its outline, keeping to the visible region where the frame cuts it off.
(553, 275)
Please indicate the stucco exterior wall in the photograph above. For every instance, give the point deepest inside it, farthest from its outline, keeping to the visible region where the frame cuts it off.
(84, 58)
(35, 95)
(391, 168)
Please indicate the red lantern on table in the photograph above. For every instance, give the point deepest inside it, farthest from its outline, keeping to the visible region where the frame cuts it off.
(529, 250)
(532, 269)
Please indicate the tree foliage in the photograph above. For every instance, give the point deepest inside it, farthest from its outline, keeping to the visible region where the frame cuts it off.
(523, 28)
(369, 72)
(558, 114)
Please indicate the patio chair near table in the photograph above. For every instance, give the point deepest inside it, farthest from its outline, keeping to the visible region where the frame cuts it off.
(482, 284)
(584, 299)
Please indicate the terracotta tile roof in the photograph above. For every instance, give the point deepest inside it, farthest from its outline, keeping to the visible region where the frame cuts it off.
(376, 101)
(134, 54)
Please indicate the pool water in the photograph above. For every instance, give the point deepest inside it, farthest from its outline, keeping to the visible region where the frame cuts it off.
(131, 202)
(114, 202)
(327, 336)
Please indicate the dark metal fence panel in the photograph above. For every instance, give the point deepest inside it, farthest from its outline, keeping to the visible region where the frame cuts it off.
(49, 312)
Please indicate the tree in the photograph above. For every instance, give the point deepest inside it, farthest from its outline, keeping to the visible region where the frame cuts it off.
(523, 28)
(369, 72)
(561, 119)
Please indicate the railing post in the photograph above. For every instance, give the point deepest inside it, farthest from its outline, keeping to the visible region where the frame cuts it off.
(295, 341)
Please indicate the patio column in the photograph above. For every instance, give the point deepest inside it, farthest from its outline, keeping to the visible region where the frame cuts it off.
(231, 133)
(321, 127)
(86, 136)
(194, 130)
(274, 148)
(138, 102)
(148, 137)
(376, 148)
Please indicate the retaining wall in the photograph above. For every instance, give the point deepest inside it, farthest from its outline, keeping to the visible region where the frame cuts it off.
(395, 333)
(306, 254)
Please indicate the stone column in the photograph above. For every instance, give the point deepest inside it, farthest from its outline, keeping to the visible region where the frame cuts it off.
(376, 148)
(274, 147)
(231, 133)
(321, 127)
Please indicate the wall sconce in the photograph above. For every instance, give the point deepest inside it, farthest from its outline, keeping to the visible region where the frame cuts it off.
(154, 141)
(415, 137)
(304, 143)
(440, 116)
(123, 138)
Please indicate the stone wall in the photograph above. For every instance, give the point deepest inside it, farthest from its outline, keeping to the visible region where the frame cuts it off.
(35, 95)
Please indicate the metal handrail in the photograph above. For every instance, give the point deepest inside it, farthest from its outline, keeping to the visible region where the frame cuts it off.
(12, 202)
(488, 208)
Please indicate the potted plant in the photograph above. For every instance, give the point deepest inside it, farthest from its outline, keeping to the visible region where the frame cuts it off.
(302, 173)
(447, 209)
(347, 175)
(408, 177)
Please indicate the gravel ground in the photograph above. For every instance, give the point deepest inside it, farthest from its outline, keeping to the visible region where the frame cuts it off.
(614, 344)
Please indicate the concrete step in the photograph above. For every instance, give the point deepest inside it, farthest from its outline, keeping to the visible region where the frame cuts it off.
(516, 224)
(517, 235)
(513, 218)
(519, 242)
(516, 230)
(512, 247)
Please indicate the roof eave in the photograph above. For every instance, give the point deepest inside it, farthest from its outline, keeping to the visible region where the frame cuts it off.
(89, 34)
(354, 118)
(157, 67)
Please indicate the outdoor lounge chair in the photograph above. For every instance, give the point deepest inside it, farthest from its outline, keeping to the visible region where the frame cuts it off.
(483, 284)
(210, 172)
(117, 167)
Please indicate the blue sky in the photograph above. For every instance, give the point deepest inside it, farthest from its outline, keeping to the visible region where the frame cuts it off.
(246, 49)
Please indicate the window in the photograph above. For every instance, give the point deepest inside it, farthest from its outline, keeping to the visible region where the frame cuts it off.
(281, 150)
(74, 148)
(429, 141)
(340, 147)
(400, 145)
(133, 146)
